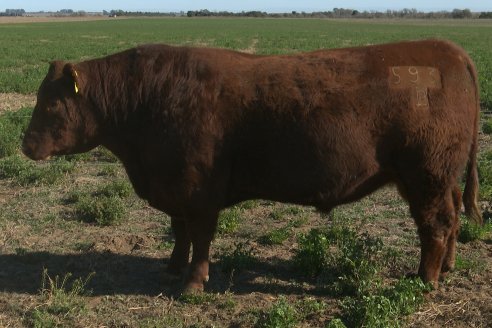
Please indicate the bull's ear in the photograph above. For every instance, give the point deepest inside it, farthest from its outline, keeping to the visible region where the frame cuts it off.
(70, 72)
(55, 66)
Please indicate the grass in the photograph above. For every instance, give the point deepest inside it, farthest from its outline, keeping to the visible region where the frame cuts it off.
(485, 175)
(24, 173)
(469, 264)
(487, 126)
(103, 211)
(311, 258)
(385, 307)
(239, 258)
(348, 263)
(105, 206)
(12, 127)
(229, 220)
(285, 314)
(471, 232)
(62, 301)
(198, 298)
(276, 236)
(281, 315)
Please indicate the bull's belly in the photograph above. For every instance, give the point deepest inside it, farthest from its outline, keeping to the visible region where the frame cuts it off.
(322, 192)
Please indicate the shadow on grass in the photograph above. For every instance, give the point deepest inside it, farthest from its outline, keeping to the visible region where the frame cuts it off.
(139, 275)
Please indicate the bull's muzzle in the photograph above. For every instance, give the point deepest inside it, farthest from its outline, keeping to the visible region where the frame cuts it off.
(31, 149)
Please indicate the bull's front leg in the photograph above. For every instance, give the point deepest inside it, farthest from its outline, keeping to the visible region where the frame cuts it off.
(201, 230)
(181, 251)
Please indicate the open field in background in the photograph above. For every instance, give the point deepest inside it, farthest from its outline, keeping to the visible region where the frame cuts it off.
(27, 48)
(79, 249)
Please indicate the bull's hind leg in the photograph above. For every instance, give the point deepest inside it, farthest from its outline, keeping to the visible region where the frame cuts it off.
(450, 257)
(433, 208)
(182, 244)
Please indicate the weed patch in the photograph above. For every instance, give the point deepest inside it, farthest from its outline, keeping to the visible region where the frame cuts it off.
(472, 264)
(354, 268)
(282, 314)
(240, 258)
(105, 206)
(470, 231)
(228, 221)
(285, 314)
(62, 301)
(485, 175)
(26, 173)
(487, 126)
(198, 298)
(384, 307)
(118, 188)
(276, 236)
(104, 211)
(340, 257)
(348, 263)
(164, 322)
(311, 258)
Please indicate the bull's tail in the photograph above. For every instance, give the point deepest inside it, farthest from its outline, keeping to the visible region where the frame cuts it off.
(470, 194)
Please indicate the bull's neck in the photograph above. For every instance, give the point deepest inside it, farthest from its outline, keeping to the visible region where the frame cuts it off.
(114, 90)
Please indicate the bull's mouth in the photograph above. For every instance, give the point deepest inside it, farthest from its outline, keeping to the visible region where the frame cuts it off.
(33, 154)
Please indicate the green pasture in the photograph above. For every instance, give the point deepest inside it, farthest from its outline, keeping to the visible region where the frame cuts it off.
(26, 49)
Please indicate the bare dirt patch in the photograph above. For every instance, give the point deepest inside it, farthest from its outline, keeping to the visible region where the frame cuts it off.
(15, 101)
(251, 48)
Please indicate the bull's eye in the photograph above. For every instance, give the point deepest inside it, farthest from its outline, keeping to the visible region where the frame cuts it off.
(52, 106)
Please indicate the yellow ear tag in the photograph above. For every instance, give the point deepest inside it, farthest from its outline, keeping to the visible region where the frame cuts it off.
(75, 82)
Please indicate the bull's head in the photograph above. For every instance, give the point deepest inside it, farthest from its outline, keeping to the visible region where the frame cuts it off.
(63, 121)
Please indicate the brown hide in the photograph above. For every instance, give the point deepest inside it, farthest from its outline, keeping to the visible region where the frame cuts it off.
(201, 129)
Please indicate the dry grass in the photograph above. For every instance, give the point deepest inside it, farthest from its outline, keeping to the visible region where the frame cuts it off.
(46, 19)
(15, 101)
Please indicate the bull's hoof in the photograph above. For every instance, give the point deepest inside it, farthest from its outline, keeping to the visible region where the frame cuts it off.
(443, 275)
(193, 288)
(445, 270)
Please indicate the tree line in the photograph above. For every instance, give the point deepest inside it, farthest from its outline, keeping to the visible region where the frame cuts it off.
(335, 13)
(13, 12)
(348, 13)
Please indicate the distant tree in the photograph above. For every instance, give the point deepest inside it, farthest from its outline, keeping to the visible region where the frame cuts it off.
(467, 13)
(14, 12)
(80, 13)
(485, 14)
(458, 13)
(117, 12)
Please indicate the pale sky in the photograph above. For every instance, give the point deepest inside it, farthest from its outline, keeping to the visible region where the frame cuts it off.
(246, 5)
